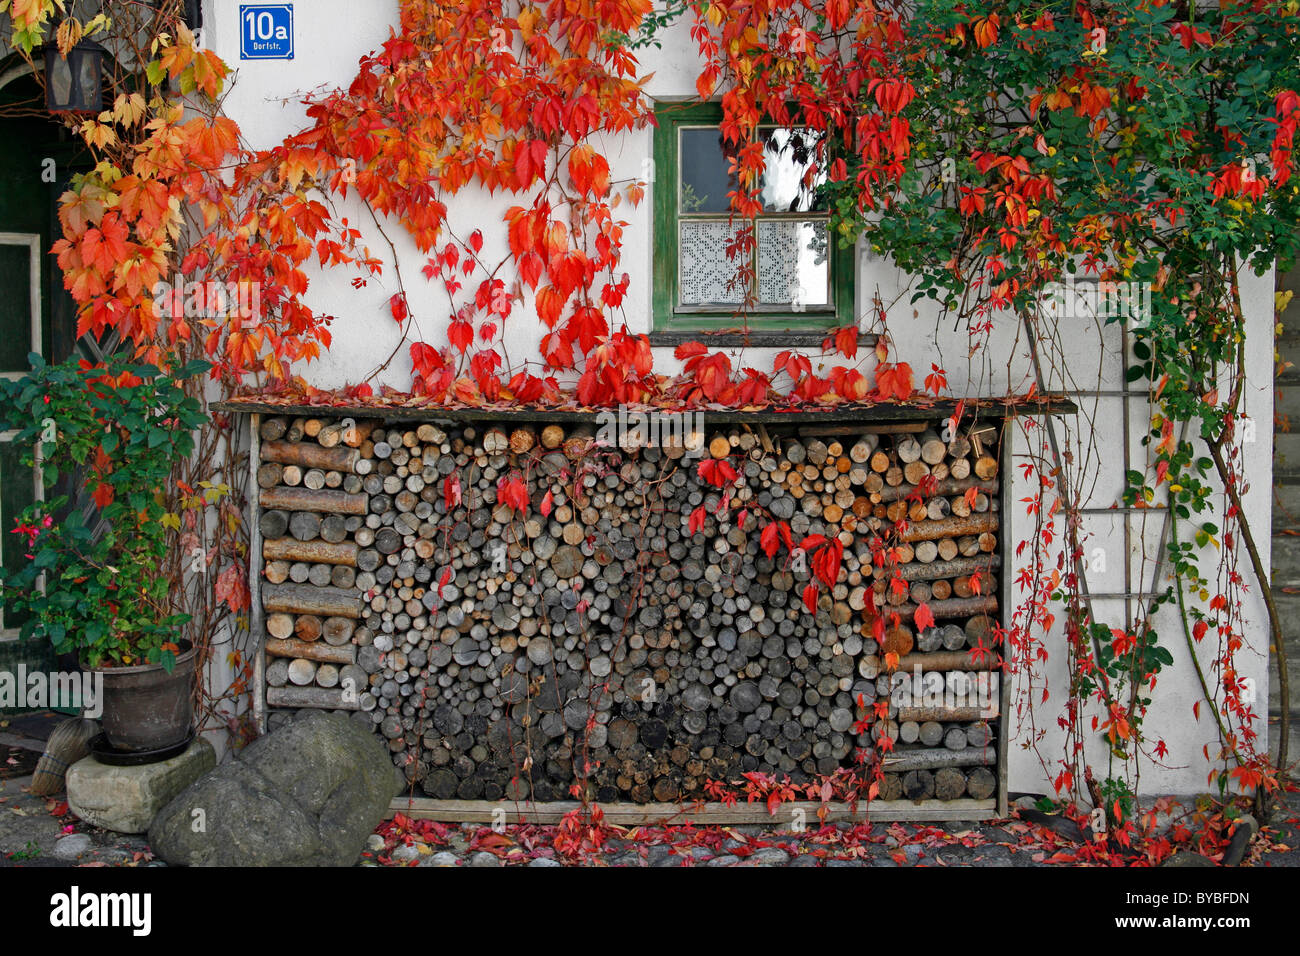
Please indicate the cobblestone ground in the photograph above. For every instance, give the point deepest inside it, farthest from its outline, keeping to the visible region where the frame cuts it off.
(39, 831)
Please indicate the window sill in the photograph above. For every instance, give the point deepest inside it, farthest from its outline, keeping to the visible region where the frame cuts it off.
(755, 338)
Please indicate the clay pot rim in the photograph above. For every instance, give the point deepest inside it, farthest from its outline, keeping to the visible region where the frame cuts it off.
(187, 652)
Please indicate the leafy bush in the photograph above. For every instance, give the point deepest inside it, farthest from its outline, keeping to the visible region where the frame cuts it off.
(119, 428)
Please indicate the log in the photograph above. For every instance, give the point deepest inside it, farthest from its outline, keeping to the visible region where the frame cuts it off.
(922, 714)
(321, 697)
(948, 661)
(321, 552)
(274, 523)
(948, 487)
(948, 569)
(307, 627)
(981, 783)
(273, 427)
(305, 499)
(279, 625)
(269, 474)
(313, 652)
(902, 761)
(304, 525)
(305, 599)
(302, 672)
(310, 455)
(952, 608)
(950, 527)
(918, 784)
(949, 783)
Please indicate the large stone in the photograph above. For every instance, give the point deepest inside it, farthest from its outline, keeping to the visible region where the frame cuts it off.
(307, 794)
(127, 799)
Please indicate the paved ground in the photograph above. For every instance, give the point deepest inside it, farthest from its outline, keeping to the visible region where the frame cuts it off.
(36, 831)
(39, 831)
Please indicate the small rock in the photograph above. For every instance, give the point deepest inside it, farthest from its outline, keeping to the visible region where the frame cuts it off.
(627, 859)
(734, 844)
(406, 854)
(71, 846)
(1187, 858)
(842, 863)
(442, 858)
(1239, 845)
(658, 852)
(484, 858)
(374, 843)
(804, 860)
(544, 861)
(771, 856)
(726, 860)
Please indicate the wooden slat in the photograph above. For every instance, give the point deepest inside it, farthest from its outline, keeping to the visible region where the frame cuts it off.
(880, 414)
(632, 814)
(256, 615)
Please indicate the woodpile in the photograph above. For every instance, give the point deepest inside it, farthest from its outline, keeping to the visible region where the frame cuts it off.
(503, 655)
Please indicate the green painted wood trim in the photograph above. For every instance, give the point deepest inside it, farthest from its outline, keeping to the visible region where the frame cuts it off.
(663, 298)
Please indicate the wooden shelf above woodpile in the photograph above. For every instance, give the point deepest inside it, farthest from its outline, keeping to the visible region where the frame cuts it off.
(859, 414)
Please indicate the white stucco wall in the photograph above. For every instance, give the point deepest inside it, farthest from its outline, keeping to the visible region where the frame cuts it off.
(329, 39)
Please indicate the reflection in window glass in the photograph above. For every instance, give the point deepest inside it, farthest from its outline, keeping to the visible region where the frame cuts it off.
(789, 155)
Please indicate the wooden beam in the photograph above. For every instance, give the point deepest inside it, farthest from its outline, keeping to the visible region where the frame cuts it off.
(700, 814)
(878, 414)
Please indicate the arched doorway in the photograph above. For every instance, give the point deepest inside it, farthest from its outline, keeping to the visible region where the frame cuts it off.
(38, 157)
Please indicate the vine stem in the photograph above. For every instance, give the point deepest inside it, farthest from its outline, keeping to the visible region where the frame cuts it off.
(1266, 590)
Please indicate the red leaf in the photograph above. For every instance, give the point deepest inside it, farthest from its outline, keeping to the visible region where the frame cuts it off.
(547, 502)
(810, 597)
(717, 473)
(923, 619)
(397, 305)
(697, 519)
(846, 341)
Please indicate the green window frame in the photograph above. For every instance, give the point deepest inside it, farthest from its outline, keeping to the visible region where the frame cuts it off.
(668, 315)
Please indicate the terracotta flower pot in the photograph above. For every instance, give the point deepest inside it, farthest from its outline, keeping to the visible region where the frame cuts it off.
(146, 708)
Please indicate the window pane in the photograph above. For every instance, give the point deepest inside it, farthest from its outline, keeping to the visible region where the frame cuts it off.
(793, 264)
(705, 182)
(706, 275)
(15, 308)
(789, 155)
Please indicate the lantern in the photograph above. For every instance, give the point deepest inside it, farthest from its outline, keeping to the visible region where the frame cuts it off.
(75, 84)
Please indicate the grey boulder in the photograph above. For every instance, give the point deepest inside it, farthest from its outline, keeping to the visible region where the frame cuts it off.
(307, 794)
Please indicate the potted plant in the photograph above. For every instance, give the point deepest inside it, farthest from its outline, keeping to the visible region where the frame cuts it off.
(97, 587)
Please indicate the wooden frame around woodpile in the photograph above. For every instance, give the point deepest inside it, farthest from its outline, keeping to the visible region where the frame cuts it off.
(890, 418)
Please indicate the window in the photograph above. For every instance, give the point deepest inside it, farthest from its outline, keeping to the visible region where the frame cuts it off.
(802, 281)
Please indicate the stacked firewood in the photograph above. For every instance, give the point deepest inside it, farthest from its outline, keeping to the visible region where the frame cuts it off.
(592, 638)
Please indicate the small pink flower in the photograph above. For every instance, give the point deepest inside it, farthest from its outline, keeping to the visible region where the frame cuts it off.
(47, 521)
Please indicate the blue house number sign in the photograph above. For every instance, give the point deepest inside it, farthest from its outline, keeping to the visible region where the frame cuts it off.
(266, 31)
